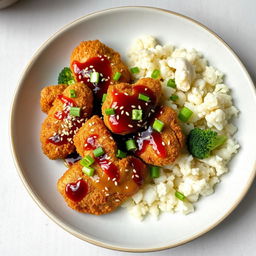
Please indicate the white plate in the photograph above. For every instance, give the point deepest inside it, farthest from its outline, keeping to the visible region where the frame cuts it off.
(117, 28)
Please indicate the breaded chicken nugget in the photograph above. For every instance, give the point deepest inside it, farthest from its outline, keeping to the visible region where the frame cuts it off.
(49, 94)
(127, 107)
(96, 194)
(161, 148)
(64, 119)
(98, 66)
(113, 180)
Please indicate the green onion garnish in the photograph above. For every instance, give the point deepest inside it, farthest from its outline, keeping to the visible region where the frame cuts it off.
(184, 114)
(155, 74)
(87, 161)
(174, 97)
(88, 170)
(72, 93)
(180, 195)
(104, 96)
(135, 70)
(171, 83)
(154, 171)
(94, 77)
(74, 111)
(98, 152)
(116, 76)
(121, 154)
(158, 125)
(130, 144)
(143, 97)
(136, 114)
(109, 111)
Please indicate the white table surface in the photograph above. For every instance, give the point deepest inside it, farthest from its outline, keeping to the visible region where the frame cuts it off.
(24, 228)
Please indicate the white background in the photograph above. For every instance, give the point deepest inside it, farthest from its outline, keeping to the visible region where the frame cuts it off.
(24, 229)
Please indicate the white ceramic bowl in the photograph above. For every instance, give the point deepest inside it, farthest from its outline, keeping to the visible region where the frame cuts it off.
(117, 28)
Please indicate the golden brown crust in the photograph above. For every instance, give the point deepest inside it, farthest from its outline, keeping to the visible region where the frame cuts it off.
(172, 136)
(51, 125)
(153, 84)
(89, 49)
(48, 95)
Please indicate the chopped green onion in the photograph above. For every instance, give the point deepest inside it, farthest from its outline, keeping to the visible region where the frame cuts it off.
(180, 195)
(158, 125)
(94, 77)
(155, 74)
(154, 171)
(109, 111)
(121, 154)
(74, 111)
(72, 93)
(136, 114)
(171, 83)
(88, 170)
(135, 70)
(87, 161)
(174, 97)
(130, 144)
(98, 152)
(143, 97)
(116, 76)
(104, 96)
(184, 114)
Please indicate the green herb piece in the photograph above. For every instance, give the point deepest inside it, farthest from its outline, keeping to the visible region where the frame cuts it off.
(104, 96)
(87, 161)
(143, 97)
(184, 114)
(154, 171)
(136, 114)
(130, 144)
(174, 97)
(109, 111)
(171, 83)
(121, 154)
(116, 76)
(74, 111)
(88, 170)
(98, 152)
(66, 76)
(94, 77)
(158, 125)
(155, 74)
(135, 70)
(72, 93)
(180, 196)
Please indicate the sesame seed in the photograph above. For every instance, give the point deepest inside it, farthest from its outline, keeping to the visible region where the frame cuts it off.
(126, 94)
(163, 143)
(113, 179)
(122, 112)
(108, 178)
(133, 106)
(127, 113)
(126, 170)
(106, 194)
(115, 183)
(91, 66)
(117, 200)
(139, 107)
(106, 188)
(130, 125)
(126, 187)
(121, 107)
(117, 117)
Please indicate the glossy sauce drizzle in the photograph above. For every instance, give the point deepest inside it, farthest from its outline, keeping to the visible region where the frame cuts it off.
(123, 104)
(100, 64)
(72, 158)
(76, 191)
(107, 166)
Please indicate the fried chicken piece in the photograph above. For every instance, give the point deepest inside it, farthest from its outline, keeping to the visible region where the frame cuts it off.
(161, 148)
(94, 56)
(132, 105)
(114, 180)
(59, 127)
(49, 94)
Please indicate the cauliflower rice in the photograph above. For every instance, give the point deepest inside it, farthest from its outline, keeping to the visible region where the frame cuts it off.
(200, 87)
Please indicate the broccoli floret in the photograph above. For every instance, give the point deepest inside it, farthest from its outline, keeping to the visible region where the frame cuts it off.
(66, 76)
(201, 142)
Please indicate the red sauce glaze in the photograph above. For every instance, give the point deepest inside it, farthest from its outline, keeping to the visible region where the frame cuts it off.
(138, 167)
(72, 158)
(60, 115)
(153, 138)
(76, 191)
(108, 167)
(123, 104)
(99, 64)
(75, 122)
